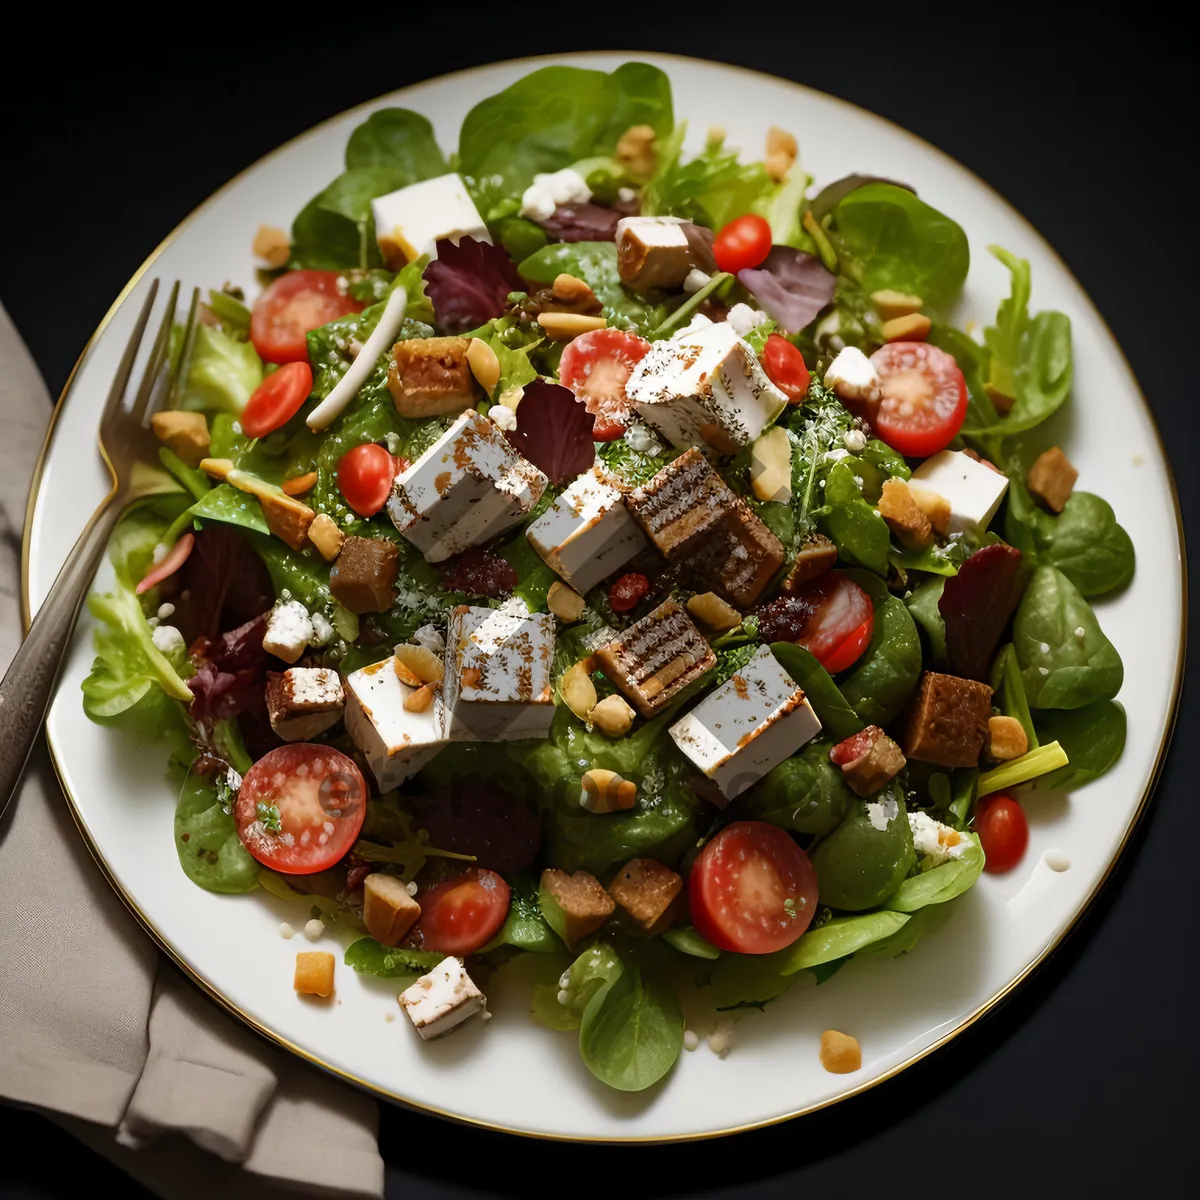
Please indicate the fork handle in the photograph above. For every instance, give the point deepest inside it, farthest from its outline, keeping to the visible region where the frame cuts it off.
(27, 686)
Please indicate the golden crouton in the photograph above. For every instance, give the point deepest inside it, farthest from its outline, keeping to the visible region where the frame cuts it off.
(184, 433)
(389, 912)
(840, 1053)
(430, 377)
(575, 905)
(649, 892)
(314, 973)
(904, 516)
(1051, 479)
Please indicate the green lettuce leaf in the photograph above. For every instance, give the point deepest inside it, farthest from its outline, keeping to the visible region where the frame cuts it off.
(222, 372)
(941, 883)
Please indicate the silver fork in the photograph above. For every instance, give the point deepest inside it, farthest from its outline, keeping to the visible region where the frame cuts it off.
(126, 445)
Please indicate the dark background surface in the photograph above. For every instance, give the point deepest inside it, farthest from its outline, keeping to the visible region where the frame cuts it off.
(1081, 1083)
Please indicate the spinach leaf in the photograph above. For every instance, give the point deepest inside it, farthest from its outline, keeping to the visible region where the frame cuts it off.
(399, 138)
(883, 679)
(687, 941)
(864, 859)
(941, 883)
(746, 981)
(335, 228)
(1093, 738)
(206, 840)
(1008, 692)
(525, 927)
(368, 957)
(932, 559)
(1066, 661)
(924, 920)
(232, 506)
(896, 241)
(596, 264)
(551, 118)
(805, 793)
(832, 194)
(835, 715)
(846, 517)
(835, 939)
(922, 604)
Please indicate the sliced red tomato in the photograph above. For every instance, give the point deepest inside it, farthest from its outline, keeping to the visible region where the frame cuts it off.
(832, 618)
(595, 366)
(293, 306)
(277, 399)
(462, 914)
(365, 477)
(300, 808)
(1003, 831)
(786, 368)
(627, 593)
(743, 243)
(924, 397)
(752, 889)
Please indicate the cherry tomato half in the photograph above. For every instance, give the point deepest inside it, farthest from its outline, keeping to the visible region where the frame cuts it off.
(785, 368)
(365, 477)
(832, 617)
(1003, 831)
(277, 399)
(752, 889)
(300, 808)
(462, 914)
(595, 366)
(627, 592)
(743, 243)
(924, 397)
(293, 306)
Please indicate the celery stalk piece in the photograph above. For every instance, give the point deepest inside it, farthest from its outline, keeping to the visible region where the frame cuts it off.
(1021, 770)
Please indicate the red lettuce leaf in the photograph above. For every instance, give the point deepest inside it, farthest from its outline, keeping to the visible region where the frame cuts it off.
(790, 285)
(479, 572)
(222, 585)
(233, 672)
(583, 223)
(976, 605)
(468, 284)
(554, 431)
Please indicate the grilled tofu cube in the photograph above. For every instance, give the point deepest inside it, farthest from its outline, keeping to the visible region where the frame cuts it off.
(442, 1000)
(868, 760)
(750, 724)
(184, 433)
(816, 555)
(389, 912)
(289, 631)
(649, 892)
(469, 486)
(904, 516)
(705, 386)
(1052, 479)
(411, 221)
(659, 252)
(973, 489)
(396, 742)
(587, 533)
(692, 516)
(574, 905)
(656, 658)
(431, 376)
(364, 576)
(948, 722)
(303, 702)
(498, 686)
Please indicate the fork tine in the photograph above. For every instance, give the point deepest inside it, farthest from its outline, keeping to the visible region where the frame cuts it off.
(152, 376)
(179, 372)
(125, 368)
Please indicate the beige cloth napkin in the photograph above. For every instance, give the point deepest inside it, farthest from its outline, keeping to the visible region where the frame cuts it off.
(95, 1026)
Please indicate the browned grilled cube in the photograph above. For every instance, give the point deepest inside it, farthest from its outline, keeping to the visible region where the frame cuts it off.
(877, 760)
(429, 377)
(649, 892)
(948, 722)
(364, 576)
(692, 516)
(655, 659)
(584, 902)
(303, 702)
(816, 555)
(1052, 479)
(389, 912)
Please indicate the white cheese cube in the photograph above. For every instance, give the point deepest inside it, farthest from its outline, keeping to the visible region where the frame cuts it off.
(289, 631)
(411, 221)
(397, 743)
(705, 387)
(973, 490)
(852, 375)
(443, 999)
(467, 487)
(750, 724)
(587, 533)
(497, 685)
(304, 702)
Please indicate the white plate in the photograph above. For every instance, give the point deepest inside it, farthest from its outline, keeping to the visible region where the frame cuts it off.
(509, 1073)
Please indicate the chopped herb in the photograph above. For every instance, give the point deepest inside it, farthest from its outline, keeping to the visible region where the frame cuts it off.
(269, 815)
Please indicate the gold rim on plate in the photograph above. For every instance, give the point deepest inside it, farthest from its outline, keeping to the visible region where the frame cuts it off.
(993, 1002)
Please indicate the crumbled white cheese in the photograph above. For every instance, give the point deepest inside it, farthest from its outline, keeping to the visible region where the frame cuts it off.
(696, 279)
(165, 611)
(933, 840)
(313, 929)
(548, 191)
(852, 375)
(721, 1038)
(286, 931)
(881, 812)
(699, 321)
(743, 318)
(504, 417)
(167, 639)
(641, 438)
(626, 194)
(322, 629)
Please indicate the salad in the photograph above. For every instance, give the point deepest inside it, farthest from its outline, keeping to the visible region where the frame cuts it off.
(589, 560)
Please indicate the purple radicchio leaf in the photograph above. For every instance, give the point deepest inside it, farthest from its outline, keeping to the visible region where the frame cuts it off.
(790, 285)
(582, 223)
(554, 431)
(468, 284)
(976, 605)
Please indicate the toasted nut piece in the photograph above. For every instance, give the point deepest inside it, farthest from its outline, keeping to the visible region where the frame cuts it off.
(777, 165)
(779, 141)
(905, 519)
(565, 603)
(406, 676)
(484, 364)
(635, 148)
(389, 912)
(1006, 738)
(890, 304)
(325, 534)
(185, 433)
(567, 289)
(713, 613)
(272, 245)
(604, 791)
(840, 1053)
(913, 328)
(612, 716)
(562, 327)
(218, 468)
(314, 973)
(933, 504)
(578, 691)
(299, 485)
(419, 701)
(422, 662)
(771, 466)
(1052, 479)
